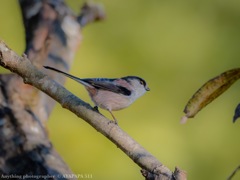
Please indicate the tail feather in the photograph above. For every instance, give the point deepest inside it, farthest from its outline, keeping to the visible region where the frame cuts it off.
(67, 75)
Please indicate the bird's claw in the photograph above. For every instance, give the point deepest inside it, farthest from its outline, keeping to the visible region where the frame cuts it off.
(114, 122)
(96, 109)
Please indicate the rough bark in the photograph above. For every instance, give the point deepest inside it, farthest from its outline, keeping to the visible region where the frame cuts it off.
(53, 34)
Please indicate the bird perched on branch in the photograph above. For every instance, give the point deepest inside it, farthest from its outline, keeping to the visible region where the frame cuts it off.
(111, 94)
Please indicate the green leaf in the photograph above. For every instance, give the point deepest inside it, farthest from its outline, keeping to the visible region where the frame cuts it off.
(210, 91)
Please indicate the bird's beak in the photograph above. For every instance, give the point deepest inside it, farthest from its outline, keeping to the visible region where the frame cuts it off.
(147, 88)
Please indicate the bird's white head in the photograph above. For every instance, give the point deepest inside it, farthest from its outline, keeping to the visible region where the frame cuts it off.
(137, 85)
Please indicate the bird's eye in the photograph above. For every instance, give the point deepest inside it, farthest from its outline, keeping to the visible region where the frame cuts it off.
(141, 82)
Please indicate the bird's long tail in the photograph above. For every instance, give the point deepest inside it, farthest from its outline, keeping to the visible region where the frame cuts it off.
(68, 75)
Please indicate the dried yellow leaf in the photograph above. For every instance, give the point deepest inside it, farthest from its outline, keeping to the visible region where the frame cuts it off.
(210, 91)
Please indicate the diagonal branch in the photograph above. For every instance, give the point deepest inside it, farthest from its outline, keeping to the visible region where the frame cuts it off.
(53, 34)
(33, 76)
(233, 173)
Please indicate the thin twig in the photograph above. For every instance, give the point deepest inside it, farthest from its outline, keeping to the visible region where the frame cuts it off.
(233, 173)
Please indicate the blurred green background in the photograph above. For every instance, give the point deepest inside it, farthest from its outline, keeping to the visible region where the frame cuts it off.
(176, 46)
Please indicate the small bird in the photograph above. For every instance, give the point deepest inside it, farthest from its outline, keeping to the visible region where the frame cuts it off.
(111, 94)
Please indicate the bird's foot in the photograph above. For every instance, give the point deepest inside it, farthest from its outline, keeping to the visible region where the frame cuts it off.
(96, 109)
(114, 122)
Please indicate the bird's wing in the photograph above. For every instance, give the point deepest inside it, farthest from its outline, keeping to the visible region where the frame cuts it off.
(107, 84)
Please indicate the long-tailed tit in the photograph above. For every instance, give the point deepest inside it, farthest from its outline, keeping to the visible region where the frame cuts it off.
(111, 94)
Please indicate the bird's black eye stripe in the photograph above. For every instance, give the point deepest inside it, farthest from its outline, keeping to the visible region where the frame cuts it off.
(142, 82)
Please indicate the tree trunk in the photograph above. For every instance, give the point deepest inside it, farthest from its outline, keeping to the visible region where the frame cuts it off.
(53, 34)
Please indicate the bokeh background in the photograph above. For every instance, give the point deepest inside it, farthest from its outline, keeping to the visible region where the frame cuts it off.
(176, 46)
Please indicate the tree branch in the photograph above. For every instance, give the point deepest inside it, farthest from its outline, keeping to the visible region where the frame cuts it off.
(53, 33)
(33, 76)
(233, 173)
